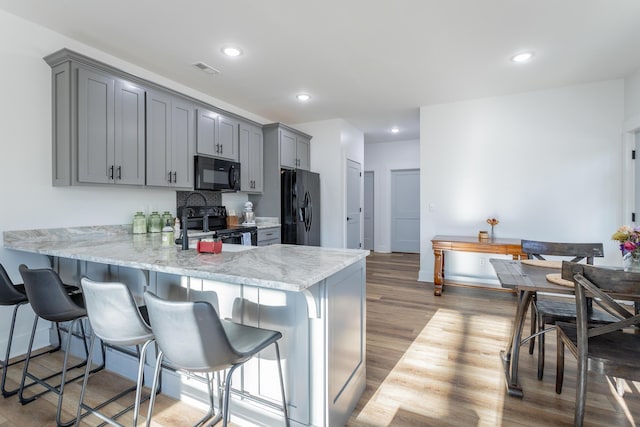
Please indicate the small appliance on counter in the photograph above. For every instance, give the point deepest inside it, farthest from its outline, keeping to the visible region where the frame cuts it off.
(249, 216)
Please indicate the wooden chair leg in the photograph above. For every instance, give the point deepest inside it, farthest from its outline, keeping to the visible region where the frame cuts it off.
(559, 364)
(581, 392)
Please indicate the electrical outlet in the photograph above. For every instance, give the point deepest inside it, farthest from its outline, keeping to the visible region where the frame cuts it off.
(483, 261)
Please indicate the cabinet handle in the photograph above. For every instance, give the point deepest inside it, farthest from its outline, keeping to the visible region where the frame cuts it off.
(217, 148)
(175, 177)
(111, 172)
(119, 172)
(170, 177)
(221, 149)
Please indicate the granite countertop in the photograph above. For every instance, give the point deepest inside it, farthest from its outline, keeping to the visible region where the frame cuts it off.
(285, 267)
(267, 222)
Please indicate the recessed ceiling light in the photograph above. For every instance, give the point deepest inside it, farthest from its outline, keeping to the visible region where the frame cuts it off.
(395, 130)
(232, 51)
(522, 57)
(303, 97)
(206, 68)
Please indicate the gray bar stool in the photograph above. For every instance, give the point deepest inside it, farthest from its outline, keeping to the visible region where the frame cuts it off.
(15, 295)
(194, 338)
(49, 299)
(116, 320)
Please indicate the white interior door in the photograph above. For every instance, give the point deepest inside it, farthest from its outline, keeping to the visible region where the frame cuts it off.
(368, 210)
(354, 176)
(405, 211)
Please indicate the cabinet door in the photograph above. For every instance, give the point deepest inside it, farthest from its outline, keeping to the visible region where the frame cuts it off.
(287, 149)
(183, 143)
(158, 139)
(129, 134)
(227, 138)
(302, 153)
(251, 147)
(95, 127)
(256, 159)
(207, 139)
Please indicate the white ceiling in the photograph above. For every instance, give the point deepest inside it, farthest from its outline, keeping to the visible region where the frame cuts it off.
(371, 62)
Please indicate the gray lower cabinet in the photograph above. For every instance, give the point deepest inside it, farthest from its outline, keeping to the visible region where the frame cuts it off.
(251, 163)
(294, 150)
(217, 135)
(99, 135)
(170, 140)
(269, 236)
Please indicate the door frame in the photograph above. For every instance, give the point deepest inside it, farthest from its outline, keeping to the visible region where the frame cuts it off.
(371, 173)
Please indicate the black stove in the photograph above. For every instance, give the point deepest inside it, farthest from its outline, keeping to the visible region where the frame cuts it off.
(214, 218)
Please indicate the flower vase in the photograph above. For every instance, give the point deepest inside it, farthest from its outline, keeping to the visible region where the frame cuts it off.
(631, 262)
(492, 236)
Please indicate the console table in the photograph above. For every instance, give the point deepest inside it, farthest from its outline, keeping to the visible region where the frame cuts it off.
(441, 244)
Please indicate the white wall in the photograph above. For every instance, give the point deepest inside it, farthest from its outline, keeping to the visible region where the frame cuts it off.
(632, 96)
(28, 199)
(382, 158)
(334, 141)
(547, 164)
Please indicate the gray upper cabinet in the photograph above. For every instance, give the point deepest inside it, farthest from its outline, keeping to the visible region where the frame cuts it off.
(251, 163)
(112, 127)
(284, 147)
(99, 134)
(170, 140)
(294, 150)
(217, 135)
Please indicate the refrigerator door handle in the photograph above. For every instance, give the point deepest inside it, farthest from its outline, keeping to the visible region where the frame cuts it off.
(307, 207)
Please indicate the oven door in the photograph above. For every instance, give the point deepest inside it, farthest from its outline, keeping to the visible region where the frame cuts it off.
(216, 174)
(236, 237)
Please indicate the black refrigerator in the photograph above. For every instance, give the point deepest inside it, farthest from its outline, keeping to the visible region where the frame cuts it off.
(300, 207)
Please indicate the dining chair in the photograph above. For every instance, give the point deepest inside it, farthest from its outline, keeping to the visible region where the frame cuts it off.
(116, 320)
(609, 349)
(548, 311)
(194, 338)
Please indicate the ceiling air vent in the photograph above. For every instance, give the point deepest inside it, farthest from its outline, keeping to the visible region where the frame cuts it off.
(206, 68)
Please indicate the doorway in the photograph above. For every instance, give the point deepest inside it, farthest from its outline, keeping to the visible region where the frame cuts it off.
(369, 234)
(354, 211)
(405, 210)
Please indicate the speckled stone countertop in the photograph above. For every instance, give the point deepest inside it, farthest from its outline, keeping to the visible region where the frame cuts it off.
(283, 267)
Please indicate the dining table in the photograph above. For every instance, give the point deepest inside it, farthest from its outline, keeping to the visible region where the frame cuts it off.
(526, 278)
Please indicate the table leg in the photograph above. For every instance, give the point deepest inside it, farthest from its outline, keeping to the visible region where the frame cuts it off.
(438, 272)
(511, 355)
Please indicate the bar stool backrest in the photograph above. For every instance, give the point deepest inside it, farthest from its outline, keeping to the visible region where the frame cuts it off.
(190, 334)
(113, 313)
(8, 293)
(48, 296)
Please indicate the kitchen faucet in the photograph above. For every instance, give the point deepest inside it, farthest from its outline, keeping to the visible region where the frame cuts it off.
(185, 218)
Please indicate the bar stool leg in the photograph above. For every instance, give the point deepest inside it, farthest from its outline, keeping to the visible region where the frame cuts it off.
(284, 398)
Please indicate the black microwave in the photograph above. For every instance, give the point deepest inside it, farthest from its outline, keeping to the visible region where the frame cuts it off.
(216, 174)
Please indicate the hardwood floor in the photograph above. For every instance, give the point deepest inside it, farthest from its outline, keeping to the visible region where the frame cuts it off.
(431, 361)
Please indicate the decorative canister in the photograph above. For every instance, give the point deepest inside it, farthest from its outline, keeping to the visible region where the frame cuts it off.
(166, 216)
(154, 222)
(139, 223)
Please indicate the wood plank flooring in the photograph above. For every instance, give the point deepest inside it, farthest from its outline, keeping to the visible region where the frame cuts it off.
(431, 361)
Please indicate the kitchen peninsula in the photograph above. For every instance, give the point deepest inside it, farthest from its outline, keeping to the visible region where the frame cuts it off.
(315, 296)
